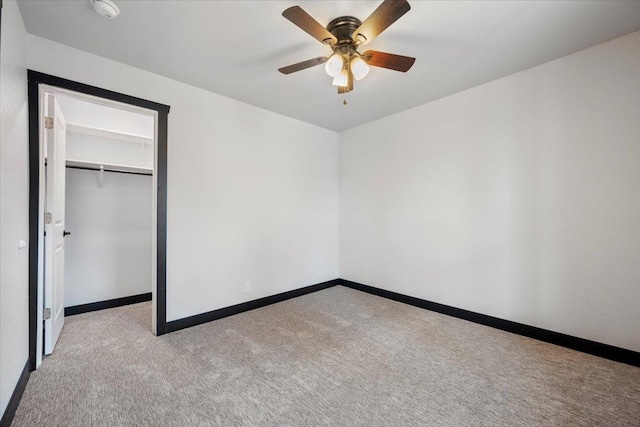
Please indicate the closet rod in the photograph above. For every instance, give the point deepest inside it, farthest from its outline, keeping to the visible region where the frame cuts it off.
(107, 170)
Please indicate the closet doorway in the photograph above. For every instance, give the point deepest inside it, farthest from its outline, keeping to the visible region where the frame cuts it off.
(97, 205)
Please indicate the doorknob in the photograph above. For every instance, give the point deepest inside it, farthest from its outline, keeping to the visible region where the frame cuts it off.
(65, 233)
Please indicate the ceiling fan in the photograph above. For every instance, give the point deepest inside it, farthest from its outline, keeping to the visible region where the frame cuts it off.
(344, 35)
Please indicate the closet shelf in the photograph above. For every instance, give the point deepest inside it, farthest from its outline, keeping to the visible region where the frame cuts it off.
(109, 167)
(121, 136)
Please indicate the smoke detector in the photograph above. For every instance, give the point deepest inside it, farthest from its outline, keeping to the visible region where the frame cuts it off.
(106, 8)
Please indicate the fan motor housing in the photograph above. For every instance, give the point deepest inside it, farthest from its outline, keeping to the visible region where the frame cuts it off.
(343, 28)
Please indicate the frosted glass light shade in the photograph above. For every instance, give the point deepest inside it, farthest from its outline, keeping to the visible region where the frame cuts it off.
(359, 68)
(341, 79)
(334, 65)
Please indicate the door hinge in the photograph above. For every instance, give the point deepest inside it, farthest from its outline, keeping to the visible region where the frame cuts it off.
(46, 314)
(47, 218)
(48, 122)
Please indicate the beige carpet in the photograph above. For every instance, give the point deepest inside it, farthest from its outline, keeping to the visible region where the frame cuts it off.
(336, 357)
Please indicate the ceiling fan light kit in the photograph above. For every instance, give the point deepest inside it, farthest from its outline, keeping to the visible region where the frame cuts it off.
(334, 65)
(344, 35)
(341, 79)
(359, 68)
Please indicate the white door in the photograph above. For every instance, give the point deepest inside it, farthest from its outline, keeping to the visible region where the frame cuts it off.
(55, 140)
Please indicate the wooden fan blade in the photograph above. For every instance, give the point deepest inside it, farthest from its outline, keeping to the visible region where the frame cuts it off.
(306, 22)
(388, 60)
(303, 65)
(381, 18)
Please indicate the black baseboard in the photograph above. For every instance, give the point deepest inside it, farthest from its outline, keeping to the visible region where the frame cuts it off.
(101, 305)
(580, 344)
(12, 406)
(198, 319)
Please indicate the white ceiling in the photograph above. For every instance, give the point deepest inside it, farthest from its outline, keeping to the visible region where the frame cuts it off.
(234, 48)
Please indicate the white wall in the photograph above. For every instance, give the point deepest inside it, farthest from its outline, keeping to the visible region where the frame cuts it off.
(252, 195)
(14, 203)
(517, 199)
(108, 254)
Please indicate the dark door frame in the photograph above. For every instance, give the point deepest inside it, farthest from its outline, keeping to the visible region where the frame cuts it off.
(35, 79)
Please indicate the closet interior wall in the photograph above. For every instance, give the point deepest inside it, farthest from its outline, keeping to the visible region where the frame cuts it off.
(109, 251)
(108, 212)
